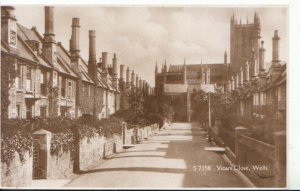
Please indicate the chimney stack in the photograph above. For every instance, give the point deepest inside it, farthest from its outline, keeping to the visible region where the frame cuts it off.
(141, 84)
(49, 44)
(115, 66)
(132, 78)
(128, 77)
(92, 47)
(241, 76)
(104, 60)
(275, 67)
(122, 71)
(74, 46)
(247, 78)
(92, 66)
(253, 66)
(49, 22)
(275, 50)
(9, 27)
(262, 57)
(137, 81)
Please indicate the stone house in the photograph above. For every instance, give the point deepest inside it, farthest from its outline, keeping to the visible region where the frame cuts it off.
(52, 80)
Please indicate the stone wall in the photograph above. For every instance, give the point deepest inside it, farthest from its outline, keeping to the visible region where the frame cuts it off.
(91, 151)
(61, 166)
(256, 154)
(18, 174)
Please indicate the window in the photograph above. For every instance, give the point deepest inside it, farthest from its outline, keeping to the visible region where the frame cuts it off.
(28, 79)
(43, 83)
(69, 90)
(43, 111)
(62, 87)
(89, 91)
(19, 77)
(18, 111)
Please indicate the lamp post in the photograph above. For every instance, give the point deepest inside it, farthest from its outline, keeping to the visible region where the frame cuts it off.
(208, 88)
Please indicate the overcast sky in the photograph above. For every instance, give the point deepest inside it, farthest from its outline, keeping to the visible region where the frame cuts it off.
(140, 36)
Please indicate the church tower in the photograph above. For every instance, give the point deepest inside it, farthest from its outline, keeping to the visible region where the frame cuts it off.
(243, 38)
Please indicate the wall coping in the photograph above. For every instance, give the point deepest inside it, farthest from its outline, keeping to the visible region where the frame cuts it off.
(42, 131)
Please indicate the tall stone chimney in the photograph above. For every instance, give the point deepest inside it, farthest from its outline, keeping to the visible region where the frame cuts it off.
(49, 44)
(275, 67)
(137, 81)
(74, 44)
(275, 46)
(132, 78)
(128, 81)
(241, 77)
(74, 48)
(247, 75)
(9, 30)
(253, 66)
(262, 58)
(92, 65)
(122, 73)
(144, 86)
(122, 77)
(141, 84)
(104, 60)
(115, 66)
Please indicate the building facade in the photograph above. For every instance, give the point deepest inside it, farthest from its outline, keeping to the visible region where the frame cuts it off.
(54, 81)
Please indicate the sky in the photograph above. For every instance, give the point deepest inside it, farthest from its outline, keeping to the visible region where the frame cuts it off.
(140, 36)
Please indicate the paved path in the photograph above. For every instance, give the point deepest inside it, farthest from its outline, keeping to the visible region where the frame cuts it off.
(166, 160)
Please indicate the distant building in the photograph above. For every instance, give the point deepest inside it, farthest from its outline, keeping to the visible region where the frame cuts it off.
(261, 91)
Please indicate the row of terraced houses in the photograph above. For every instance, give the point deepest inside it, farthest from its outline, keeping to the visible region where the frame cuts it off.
(54, 81)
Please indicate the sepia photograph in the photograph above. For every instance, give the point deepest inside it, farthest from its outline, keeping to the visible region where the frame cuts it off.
(144, 96)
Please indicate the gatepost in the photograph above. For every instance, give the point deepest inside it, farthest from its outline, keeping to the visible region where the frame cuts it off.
(43, 137)
(280, 158)
(238, 132)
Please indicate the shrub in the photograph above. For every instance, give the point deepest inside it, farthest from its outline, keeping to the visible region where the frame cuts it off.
(15, 137)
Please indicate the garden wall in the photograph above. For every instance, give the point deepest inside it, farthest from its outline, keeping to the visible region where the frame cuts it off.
(254, 154)
(60, 166)
(18, 174)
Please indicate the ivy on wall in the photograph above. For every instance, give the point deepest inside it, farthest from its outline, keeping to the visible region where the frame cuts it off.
(8, 75)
